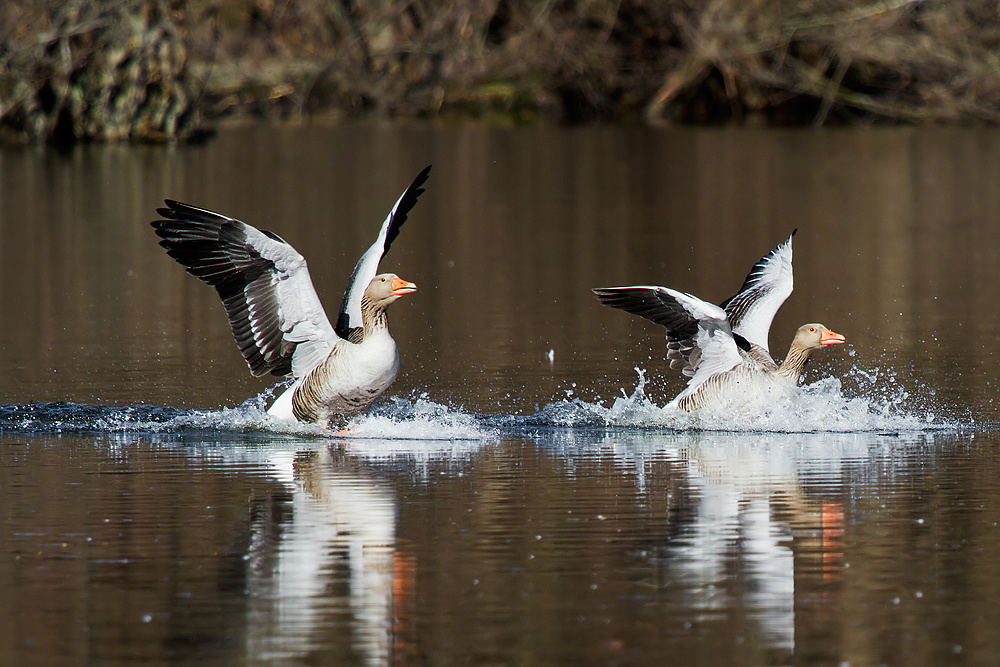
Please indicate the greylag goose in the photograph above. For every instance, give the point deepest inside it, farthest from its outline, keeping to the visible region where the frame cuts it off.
(723, 349)
(276, 316)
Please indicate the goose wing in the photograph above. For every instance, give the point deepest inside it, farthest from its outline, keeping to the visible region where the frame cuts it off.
(751, 310)
(277, 319)
(366, 268)
(699, 340)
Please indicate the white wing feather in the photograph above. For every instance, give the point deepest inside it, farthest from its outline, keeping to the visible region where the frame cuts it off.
(367, 267)
(277, 319)
(364, 271)
(719, 352)
(769, 283)
(301, 316)
(699, 329)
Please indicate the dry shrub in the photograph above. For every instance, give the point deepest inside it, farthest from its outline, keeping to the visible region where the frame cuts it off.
(92, 71)
(902, 60)
(781, 61)
(146, 70)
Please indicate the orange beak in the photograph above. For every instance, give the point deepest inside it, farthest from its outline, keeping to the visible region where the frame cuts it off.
(401, 287)
(827, 337)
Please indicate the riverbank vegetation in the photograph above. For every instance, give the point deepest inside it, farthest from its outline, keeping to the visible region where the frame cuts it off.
(156, 70)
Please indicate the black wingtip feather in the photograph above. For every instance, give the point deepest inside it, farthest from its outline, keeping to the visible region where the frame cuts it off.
(271, 235)
(651, 304)
(406, 203)
(213, 248)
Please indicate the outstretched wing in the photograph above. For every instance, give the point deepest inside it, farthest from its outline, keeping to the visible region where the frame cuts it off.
(366, 268)
(278, 321)
(699, 340)
(766, 287)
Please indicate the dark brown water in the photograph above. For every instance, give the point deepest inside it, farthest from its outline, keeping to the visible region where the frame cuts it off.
(146, 516)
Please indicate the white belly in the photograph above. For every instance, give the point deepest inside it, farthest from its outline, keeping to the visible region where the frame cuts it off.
(731, 390)
(346, 383)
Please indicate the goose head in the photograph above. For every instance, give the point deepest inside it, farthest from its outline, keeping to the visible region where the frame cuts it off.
(386, 288)
(814, 336)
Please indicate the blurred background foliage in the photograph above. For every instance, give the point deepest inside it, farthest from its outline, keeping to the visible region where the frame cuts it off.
(128, 70)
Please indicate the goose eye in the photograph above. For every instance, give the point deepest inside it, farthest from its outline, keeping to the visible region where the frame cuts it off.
(813, 329)
(383, 280)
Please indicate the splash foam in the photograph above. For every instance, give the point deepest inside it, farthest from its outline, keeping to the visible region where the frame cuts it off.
(402, 419)
(820, 406)
(396, 419)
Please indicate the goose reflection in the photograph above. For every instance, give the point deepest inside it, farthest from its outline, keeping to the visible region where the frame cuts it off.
(325, 549)
(743, 531)
(325, 574)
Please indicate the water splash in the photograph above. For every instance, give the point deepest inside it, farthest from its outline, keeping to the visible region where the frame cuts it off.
(418, 419)
(62, 416)
(864, 401)
(824, 406)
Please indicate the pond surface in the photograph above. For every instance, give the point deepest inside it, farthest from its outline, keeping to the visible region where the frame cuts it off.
(519, 496)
